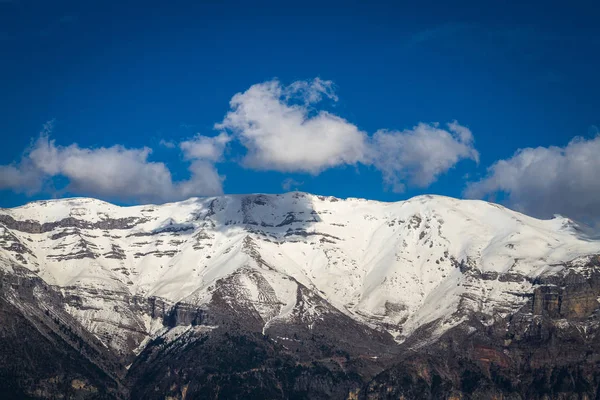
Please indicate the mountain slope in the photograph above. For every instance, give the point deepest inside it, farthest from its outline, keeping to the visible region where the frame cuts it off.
(351, 278)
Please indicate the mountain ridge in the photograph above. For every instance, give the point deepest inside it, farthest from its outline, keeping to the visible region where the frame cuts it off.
(291, 267)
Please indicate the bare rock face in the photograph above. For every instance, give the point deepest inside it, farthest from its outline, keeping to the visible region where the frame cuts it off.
(46, 353)
(549, 349)
(573, 295)
(296, 296)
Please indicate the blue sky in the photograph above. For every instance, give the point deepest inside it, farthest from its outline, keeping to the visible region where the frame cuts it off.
(124, 84)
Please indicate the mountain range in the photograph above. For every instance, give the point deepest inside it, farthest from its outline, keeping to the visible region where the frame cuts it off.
(296, 296)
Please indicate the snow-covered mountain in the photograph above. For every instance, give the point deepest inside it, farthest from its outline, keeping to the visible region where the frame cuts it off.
(429, 262)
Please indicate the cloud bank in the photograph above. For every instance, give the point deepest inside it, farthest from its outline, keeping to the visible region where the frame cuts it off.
(280, 128)
(107, 172)
(543, 181)
(283, 131)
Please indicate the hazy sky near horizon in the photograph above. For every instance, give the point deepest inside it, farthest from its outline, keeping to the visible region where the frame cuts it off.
(137, 102)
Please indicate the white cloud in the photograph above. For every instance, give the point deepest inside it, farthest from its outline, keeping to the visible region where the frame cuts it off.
(546, 180)
(204, 181)
(108, 172)
(205, 147)
(20, 177)
(283, 131)
(25, 176)
(420, 155)
(283, 135)
(281, 128)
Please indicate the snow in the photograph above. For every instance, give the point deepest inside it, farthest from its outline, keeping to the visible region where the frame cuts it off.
(374, 261)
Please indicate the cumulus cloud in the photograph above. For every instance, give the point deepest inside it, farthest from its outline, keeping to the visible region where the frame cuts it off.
(21, 178)
(546, 180)
(109, 172)
(205, 147)
(283, 133)
(283, 130)
(420, 155)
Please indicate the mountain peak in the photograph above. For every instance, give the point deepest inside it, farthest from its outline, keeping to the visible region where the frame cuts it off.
(395, 266)
(306, 270)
